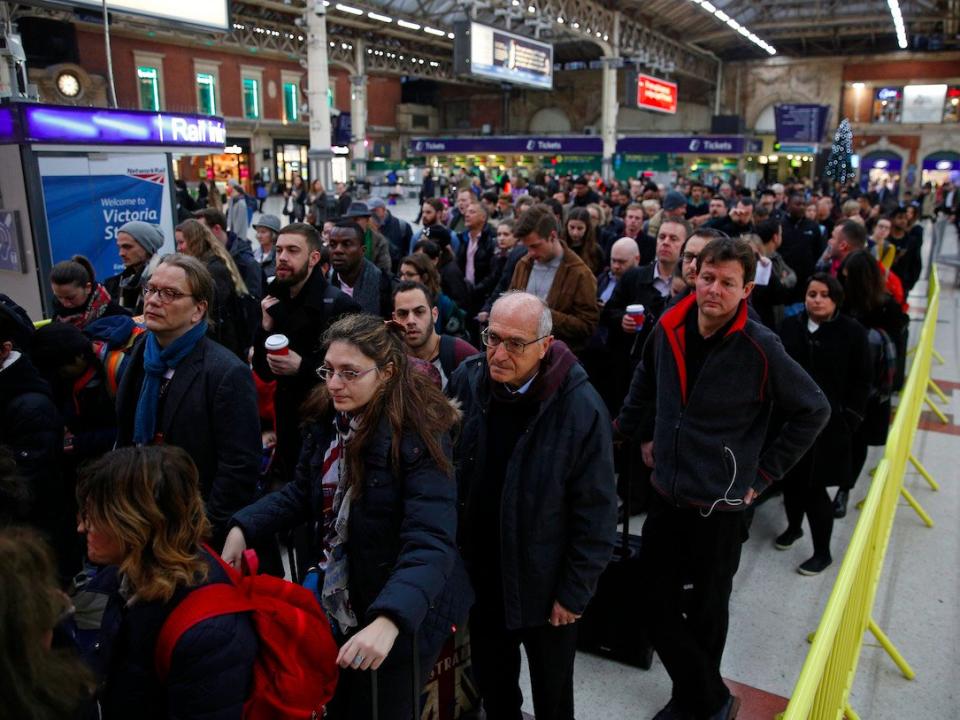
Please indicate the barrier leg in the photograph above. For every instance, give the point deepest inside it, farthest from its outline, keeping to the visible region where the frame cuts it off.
(848, 712)
(912, 501)
(936, 411)
(892, 651)
(938, 356)
(923, 471)
(912, 350)
(937, 391)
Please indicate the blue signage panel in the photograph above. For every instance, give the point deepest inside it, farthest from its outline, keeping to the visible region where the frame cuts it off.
(695, 145)
(507, 145)
(800, 123)
(102, 126)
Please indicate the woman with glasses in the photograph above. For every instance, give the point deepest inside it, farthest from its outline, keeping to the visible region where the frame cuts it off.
(374, 480)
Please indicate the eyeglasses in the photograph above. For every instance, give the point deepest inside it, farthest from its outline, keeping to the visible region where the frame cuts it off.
(689, 257)
(326, 373)
(514, 347)
(164, 295)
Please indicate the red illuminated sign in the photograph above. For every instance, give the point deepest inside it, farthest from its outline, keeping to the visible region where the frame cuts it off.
(656, 94)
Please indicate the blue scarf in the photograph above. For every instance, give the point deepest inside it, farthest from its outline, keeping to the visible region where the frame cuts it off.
(156, 362)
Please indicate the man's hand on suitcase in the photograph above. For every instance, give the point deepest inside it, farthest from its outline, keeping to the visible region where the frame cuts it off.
(369, 647)
(562, 616)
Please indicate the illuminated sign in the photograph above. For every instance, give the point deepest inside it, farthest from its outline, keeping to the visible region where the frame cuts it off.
(578, 145)
(923, 103)
(888, 93)
(495, 54)
(208, 14)
(656, 94)
(58, 124)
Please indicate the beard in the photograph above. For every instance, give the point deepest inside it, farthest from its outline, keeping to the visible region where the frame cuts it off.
(294, 278)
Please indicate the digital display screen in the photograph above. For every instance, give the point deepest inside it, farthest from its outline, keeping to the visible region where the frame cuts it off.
(496, 54)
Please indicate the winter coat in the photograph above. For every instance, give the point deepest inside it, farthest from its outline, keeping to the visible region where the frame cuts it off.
(635, 287)
(837, 357)
(211, 669)
(558, 509)
(238, 222)
(402, 529)
(210, 410)
(572, 298)
(399, 234)
(802, 246)
(483, 266)
(242, 253)
(303, 320)
(709, 439)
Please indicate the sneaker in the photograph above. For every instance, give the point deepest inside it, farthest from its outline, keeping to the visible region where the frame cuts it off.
(671, 711)
(729, 710)
(815, 565)
(787, 538)
(840, 503)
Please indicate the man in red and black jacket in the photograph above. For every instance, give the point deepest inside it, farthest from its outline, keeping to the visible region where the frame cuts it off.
(700, 404)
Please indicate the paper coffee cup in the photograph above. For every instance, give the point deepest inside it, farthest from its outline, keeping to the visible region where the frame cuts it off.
(277, 345)
(636, 312)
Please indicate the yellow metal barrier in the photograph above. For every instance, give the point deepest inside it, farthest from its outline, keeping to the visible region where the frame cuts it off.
(823, 689)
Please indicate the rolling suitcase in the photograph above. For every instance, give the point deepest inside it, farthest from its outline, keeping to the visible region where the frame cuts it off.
(613, 624)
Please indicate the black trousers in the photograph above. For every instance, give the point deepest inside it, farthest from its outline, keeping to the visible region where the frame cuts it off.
(495, 652)
(803, 495)
(354, 699)
(689, 627)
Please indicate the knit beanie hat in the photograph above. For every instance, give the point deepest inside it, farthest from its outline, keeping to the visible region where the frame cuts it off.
(149, 237)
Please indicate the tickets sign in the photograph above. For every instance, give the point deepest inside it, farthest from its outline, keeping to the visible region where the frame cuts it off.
(656, 94)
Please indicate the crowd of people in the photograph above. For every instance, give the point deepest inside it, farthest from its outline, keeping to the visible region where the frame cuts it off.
(426, 427)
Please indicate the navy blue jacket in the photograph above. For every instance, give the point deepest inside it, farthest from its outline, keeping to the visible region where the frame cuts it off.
(211, 670)
(403, 558)
(558, 509)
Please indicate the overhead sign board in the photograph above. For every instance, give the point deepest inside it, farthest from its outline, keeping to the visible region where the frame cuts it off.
(495, 54)
(59, 124)
(923, 103)
(655, 94)
(800, 123)
(545, 145)
(212, 14)
(685, 145)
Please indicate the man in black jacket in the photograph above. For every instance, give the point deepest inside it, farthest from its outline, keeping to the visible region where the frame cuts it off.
(300, 304)
(477, 248)
(138, 243)
(181, 388)
(801, 244)
(370, 286)
(700, 404)
(538, 503)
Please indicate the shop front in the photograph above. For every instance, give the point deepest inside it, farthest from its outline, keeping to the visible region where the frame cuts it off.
(941, 167)
(290, 156)
(881, 167)
(232, 164)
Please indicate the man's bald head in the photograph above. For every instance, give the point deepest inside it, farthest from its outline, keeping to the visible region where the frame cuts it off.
(524, 311)
(624, 254)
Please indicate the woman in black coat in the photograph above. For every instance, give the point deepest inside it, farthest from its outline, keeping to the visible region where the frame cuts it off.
(833, 349)
(144, 522)
(375, 482)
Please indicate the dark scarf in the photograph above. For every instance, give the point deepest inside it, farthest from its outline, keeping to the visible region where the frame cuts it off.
(554, 369)
(93, 309)
(156, 362)
(366, 291)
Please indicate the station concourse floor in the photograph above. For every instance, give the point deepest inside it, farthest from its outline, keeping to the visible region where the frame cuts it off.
(773, 608)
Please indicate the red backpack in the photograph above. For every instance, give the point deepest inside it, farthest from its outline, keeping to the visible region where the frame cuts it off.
(295, 672)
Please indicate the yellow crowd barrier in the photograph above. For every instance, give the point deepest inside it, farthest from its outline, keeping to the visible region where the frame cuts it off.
(823, 688)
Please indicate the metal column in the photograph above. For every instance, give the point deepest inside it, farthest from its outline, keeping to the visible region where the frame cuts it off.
(358, 111)
(318, 82)
(609, 101)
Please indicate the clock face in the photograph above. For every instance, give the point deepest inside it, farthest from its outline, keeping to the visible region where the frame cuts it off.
(68, 84)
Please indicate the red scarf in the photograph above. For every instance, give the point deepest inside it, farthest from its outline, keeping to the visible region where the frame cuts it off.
(96, 306)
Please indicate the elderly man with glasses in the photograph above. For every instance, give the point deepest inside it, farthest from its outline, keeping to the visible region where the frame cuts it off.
(539, 504)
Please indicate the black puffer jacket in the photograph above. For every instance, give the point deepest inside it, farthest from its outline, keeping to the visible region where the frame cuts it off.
(558, 510)
(211, 670)
(403, 558)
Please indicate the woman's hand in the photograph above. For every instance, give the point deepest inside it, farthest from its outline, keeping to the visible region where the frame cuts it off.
(368, 648)
(233, 547)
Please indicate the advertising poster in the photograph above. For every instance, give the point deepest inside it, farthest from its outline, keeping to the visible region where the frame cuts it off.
(87, 199)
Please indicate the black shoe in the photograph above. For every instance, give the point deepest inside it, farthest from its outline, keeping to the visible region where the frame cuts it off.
(729, 710)
(787, 538)
(671, 711)
(840, 503)
(815, 565)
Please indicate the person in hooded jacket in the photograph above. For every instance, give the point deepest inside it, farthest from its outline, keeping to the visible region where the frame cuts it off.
(538, 504)
(833, 349)
(374, 481)
(78, 298)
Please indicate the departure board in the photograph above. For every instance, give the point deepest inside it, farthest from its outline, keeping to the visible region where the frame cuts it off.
(495, 54)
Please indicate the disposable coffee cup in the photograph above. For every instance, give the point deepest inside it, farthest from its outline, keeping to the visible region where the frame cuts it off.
(636, 312)
(277, 345)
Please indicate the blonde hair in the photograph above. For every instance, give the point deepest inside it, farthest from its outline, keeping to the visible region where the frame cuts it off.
(148, 499)
(201, 244)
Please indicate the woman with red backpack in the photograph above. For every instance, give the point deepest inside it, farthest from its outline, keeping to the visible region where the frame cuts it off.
(375, 482)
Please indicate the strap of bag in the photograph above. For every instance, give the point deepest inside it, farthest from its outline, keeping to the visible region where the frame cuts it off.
(202, 604)
(374, 686)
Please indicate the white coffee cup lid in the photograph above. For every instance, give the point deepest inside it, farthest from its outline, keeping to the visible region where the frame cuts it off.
(635, 308)
(276, 342)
